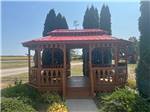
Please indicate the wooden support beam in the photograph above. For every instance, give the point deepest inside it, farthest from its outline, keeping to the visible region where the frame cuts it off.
(91, 72)
(29, 63)
(126, 53)
(116, 64)
(39, 67)
(52, 55)
(116, 56)
(126, 62)
(64, 73)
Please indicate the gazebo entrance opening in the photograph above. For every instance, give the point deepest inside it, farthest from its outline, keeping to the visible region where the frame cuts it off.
(78, 80)
(77, 67)
(76, 62)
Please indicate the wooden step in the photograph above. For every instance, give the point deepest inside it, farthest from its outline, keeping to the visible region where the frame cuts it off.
(78, 92)
(78, 87)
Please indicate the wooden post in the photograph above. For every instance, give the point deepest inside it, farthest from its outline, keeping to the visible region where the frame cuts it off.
(116, 56)
(91, 72)
(126, 63)
(52, 56)
(29, 64)
(116, 63)
(64, 73)
(39, 67)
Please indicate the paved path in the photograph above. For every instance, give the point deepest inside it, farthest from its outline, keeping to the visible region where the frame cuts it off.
(13, 71)
(81, 105)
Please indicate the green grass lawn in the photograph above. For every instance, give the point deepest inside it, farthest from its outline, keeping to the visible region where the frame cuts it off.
(77, 70)
(76, 61)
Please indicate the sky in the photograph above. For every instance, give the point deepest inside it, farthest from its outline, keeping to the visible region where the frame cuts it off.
(23, 21)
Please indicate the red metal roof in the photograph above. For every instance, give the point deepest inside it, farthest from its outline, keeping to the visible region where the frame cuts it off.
(73, 38)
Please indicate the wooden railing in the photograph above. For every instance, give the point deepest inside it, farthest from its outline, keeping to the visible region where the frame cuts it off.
(103, 78)
(51, 77)
(108, 78)
(48, 77)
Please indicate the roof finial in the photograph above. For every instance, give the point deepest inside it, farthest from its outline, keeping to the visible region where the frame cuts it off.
(75, 24)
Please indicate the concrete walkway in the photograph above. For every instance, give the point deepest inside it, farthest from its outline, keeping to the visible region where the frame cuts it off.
(81, 105)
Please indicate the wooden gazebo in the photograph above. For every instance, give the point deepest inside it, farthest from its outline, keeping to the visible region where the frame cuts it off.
(105, 62)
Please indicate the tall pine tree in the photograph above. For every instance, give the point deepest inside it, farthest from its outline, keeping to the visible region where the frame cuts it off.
(64, 23)
(105, 19)
(53, 22)
(96, 18)
(91, 18)
(50, 22)
(61, 22)
(143, 69)
(85, 20)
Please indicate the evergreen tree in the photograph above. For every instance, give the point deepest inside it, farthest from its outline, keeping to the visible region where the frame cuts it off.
(143, 69)
(53, 22)
(96, 18)
(46, 57)
(91, 18)
(105, 19)
(85, 20)
(64, 23)
(50, 22)
(59, 23)
(133, 50)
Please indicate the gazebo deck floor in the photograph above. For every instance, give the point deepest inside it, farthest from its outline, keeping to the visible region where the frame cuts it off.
(78, 81)
(78, 87)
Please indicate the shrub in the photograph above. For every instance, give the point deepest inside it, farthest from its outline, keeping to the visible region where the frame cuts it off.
(124, 100)
(20, 90)
(28, 101)
(14, 105)
(57, 107)
(99, 97)
(51, 97)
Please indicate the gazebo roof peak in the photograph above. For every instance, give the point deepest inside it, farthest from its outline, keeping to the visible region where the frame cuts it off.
(77, 31)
